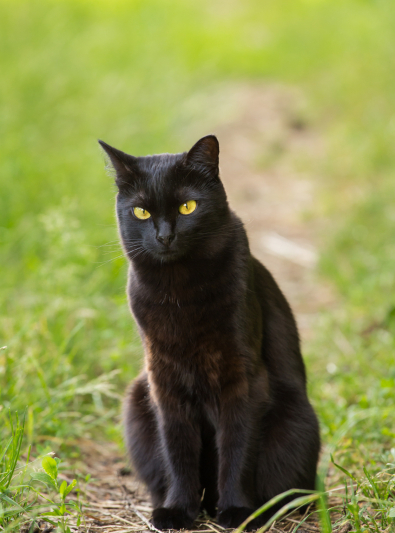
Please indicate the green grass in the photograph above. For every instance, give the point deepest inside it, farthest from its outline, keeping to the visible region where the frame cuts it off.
(33, 491)
(142, 75)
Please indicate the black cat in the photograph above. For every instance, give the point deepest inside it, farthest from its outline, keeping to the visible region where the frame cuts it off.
(219, 418)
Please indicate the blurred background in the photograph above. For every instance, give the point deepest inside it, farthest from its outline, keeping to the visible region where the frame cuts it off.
(301, 94)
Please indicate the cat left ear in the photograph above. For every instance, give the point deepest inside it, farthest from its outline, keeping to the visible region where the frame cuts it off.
(204, 155)
(124, 164)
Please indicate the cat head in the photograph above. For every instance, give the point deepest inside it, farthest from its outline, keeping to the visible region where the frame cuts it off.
(170, 206)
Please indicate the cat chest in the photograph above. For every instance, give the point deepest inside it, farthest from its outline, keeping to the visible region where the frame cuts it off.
(188, 374)
(178, 323)
(191, 348)
(194, 372)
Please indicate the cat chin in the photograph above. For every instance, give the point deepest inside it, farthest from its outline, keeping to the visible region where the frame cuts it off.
(166, 257)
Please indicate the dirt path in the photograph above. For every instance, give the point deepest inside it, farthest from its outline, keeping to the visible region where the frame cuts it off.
(267, 156)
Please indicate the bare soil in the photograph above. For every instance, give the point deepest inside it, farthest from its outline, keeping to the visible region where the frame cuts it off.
(268, 159)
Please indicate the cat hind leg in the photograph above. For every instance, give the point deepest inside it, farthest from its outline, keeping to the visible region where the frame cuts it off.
(288, 453)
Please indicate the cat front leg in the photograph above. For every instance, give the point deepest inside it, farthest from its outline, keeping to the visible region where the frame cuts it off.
(181, 444)
(235, 423)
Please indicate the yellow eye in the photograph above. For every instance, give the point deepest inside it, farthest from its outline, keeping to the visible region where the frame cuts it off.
(187, 208)
(141, 213)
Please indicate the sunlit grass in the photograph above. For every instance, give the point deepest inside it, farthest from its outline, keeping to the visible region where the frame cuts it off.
(141, 75)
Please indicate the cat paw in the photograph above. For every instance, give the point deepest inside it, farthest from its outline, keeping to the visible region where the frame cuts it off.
(234, 516)
(171, 518)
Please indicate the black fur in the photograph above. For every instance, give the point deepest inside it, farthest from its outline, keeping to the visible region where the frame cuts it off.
(221, 405)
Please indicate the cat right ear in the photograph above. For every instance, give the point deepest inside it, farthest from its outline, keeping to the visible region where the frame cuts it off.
(123, 164)
(204, 155)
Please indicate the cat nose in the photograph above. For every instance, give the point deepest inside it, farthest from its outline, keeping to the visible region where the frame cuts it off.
(166, 239)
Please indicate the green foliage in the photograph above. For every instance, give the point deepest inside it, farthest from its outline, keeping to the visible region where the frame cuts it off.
(63, 341)
(59, 508)
(139, 75)
(12, 494)
(297, 503)
(369, 502)
(21, 501)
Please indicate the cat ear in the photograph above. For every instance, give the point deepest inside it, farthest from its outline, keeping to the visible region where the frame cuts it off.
(125, 165)
(204, 155)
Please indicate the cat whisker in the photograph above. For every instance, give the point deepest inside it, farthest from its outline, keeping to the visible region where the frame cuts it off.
(101, 263)
(109, 243)
(119, 248)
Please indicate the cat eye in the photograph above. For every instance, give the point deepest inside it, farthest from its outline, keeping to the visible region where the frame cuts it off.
(187, 208)
(141, 213)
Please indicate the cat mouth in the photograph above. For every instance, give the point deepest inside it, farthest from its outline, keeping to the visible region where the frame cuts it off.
(167, 254)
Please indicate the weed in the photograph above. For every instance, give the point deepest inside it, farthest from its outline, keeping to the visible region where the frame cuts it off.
(59, 508)
(21, 500)
(369, 501)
